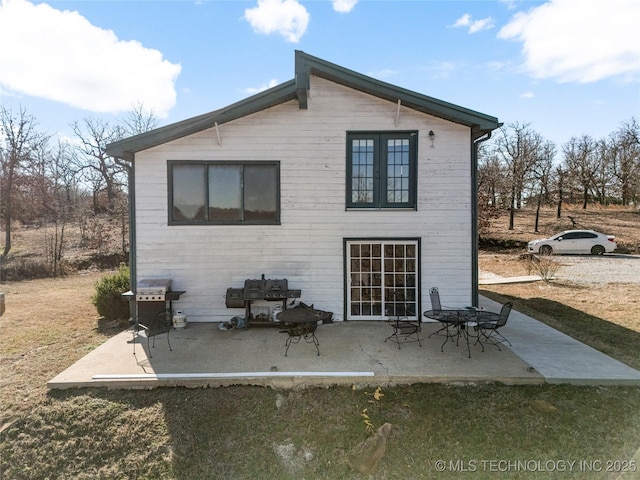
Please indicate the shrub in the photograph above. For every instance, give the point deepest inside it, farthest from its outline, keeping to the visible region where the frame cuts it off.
(107, 298)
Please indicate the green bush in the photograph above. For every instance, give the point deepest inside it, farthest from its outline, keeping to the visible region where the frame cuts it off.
(107, 298)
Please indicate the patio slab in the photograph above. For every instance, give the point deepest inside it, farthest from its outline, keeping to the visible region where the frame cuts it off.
(351, 353)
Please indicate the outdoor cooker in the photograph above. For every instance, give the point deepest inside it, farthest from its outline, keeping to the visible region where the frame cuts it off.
(260, 289)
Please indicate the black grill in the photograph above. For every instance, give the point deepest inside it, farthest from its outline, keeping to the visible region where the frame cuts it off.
(260, 289)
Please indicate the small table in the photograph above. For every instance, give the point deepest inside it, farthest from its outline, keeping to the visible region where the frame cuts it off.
(457, 318)
(301, 323)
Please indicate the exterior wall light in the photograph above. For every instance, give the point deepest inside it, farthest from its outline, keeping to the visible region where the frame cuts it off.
(432, 136)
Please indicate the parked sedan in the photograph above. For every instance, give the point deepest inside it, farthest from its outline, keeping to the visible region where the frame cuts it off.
(575, 241)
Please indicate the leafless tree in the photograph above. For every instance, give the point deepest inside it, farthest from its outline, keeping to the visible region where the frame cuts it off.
(581, 163)
(20, 140)
(542, 172)
(625, 161)
(519, 149)
(98, 168)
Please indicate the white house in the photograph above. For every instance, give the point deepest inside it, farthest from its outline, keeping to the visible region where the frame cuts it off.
(362, 194)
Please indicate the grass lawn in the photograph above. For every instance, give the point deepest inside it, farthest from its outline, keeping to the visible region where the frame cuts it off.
(488, 430)
(482, 431)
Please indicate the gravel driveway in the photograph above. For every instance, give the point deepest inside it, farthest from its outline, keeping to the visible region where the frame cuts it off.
(611, 268)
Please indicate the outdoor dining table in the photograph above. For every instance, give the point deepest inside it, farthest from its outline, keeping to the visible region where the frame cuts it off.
(459, 318)
(300, 323)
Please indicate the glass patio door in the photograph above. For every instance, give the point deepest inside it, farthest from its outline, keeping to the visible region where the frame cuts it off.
(382, 279)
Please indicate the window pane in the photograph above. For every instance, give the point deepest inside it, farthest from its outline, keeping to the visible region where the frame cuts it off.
(261, 192)
(362, 170)
(225, 189)
(398, 170)
(188, 193)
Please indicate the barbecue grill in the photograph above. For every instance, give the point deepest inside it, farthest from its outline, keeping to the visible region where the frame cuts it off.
(152, 314)
(260, 289)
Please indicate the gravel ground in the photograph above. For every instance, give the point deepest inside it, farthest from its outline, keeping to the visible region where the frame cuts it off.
(612, 268)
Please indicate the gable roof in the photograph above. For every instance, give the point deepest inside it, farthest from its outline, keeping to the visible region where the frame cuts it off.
(298, 89)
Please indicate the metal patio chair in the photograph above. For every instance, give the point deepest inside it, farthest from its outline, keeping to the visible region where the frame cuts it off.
(447, 317)
(160, 323)
(488, 325)
(404, 330)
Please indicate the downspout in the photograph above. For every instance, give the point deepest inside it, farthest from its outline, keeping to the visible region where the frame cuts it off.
(132, 235)
(475, 276)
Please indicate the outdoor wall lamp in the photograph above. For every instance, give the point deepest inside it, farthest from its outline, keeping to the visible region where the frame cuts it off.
(431, 137)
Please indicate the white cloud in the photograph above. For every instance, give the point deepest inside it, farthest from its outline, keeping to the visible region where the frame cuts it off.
(441, 70)
(60, 56)
(251, 90)
(527, 95)
(343, 6)
(474, 25)
(288, 18)
(583, 41)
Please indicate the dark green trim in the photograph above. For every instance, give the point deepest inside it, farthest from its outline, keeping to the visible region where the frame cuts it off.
(475, 274)
(298, 88)
(206, 163)
(306, 65)
(380, 169)
(127, 147)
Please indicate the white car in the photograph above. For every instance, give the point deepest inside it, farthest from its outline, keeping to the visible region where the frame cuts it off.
(575, 241)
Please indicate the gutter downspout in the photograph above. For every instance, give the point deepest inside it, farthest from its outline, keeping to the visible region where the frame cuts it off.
(132, 235)
(475, 276)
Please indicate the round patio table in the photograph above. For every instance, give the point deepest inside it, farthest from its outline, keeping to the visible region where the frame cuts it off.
(457, 318)
(301, 323)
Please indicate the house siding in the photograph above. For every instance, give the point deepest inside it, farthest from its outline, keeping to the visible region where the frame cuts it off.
(307, 248)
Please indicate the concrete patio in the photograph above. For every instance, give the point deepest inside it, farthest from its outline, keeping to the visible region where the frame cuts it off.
(351, 353)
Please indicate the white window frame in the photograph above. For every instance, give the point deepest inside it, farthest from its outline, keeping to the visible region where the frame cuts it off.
(367, 294)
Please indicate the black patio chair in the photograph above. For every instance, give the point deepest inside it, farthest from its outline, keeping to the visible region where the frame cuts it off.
(488, 325)
(446, 317)
(157, 324)
(404, 330)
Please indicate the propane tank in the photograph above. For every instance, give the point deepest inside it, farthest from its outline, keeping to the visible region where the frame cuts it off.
(179, 320)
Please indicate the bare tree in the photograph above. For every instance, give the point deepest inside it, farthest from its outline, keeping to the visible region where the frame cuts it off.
(581, 163)
(20, 139)
(139, 120)
(542, 172)
(518, 147)
(560, 182)
(98, 169)
(625, 160)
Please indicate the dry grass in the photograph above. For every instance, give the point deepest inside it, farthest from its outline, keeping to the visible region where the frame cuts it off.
(48, 325)
(624, 223)
(238, 432)
(604, 316)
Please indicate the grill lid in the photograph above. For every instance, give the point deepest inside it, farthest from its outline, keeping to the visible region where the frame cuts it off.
(153, 286)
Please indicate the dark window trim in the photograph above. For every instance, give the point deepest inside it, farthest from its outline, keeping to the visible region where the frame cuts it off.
(379, 200)
(206, 163)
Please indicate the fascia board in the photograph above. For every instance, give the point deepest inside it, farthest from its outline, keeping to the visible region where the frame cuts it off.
(128, 147)
(307, 65)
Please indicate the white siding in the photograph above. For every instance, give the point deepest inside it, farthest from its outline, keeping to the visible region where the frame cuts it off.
(307, 248)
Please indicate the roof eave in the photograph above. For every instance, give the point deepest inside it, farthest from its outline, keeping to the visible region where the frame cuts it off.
(306, 65)
(128, 147)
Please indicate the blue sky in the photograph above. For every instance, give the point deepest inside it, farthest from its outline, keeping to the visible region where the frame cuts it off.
(567, 67)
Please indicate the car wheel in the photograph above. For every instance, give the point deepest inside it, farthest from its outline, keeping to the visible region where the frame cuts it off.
(546, 250)
(597, 250)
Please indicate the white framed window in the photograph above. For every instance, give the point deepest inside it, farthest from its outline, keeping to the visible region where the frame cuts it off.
(382, 279)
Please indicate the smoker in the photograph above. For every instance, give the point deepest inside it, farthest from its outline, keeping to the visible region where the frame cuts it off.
(260, 289)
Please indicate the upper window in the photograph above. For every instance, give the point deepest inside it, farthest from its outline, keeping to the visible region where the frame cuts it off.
(381, 170)
(224, 193)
